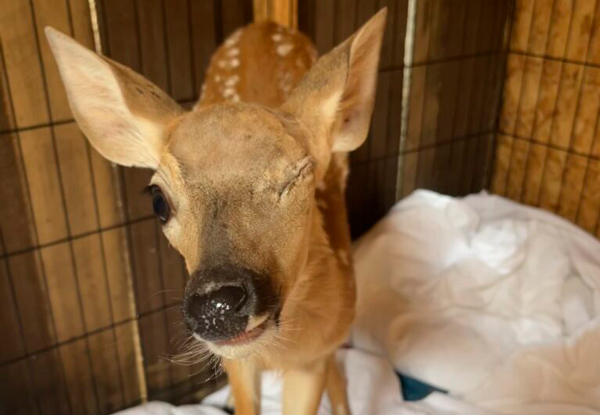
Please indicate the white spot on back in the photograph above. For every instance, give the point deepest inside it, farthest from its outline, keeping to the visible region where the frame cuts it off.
(229, 92)
(283, 50)
(231, 81)
(232, 52)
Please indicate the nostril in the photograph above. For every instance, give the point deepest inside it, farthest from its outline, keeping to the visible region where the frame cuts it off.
(224, 301)
(229, 299)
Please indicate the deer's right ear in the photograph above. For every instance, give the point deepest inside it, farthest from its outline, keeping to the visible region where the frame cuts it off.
(123, 114)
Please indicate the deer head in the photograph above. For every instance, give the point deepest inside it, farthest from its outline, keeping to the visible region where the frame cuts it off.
(234, 183)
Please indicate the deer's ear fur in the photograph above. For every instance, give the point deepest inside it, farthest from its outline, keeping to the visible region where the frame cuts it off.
(123, 114)
(335, 99)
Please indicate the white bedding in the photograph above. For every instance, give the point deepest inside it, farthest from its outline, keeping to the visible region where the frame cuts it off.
(495, 302)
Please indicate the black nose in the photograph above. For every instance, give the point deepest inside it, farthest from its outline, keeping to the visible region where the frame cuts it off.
(220, 313)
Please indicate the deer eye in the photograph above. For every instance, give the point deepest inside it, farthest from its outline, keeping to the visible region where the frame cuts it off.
(160, 205)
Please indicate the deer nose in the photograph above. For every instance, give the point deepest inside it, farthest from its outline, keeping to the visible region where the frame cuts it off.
(219, 314)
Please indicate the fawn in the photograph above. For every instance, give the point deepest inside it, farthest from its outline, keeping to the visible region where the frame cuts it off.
(249, 187)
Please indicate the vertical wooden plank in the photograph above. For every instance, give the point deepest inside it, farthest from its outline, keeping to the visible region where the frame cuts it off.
(456, 167)
(13, 345)
(154, 58)
(121, 42)
(148, 285)
(424, 179)
(468, 166)
(395, 113)
(49, 383)
(477, 99)
(155, 345)
(533, 176)
(235, 14)
(512, 92)
(129, 359)
(589, 206)
(408, 174)
(76, 178)
(7, 117)
(502, 163)
(586, 117)
(471, 27)
(89, 263)
(431, 105)
(422, 30)
(400, 32)
(324, 26)
(203, 36)
(23, 68)
(387, 48)
(63, 291)
(571, 187)
(345, 19)
(178, 44)
(378, 133)
(579, 37)
(460, 122)
(44, 184)
(119, 282)
(172, 270)
(551, 179)
(594, 48)
(82, 23)
(138, 204)
(516, 173)
(560, 24)
(540, 24)
(79, 377)
(52, 13)
(566, 105)
(415, 109)
(32, 301)
(176, 335)
(529, 97)
(521, 25)
(441, 161)
(548, 93)
(390, 181)
(110, 209)
(449, 76)
(16, 393)
(16, 219)
(105, 363)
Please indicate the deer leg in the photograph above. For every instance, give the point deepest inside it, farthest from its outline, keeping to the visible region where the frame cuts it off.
(336, 388)
(244, 378)
(303, 388)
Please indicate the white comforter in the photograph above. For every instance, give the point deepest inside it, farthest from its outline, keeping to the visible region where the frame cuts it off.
(495, 302)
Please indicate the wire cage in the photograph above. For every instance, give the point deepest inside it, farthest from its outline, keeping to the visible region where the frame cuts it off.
(472, 94)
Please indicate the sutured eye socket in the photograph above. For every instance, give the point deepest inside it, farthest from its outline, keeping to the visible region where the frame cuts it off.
(160, 205)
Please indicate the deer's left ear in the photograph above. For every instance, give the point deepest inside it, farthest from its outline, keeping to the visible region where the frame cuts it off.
(123, 114)
(336, 98)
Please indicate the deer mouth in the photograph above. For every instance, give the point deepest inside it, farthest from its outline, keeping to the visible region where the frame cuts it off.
(248, 336)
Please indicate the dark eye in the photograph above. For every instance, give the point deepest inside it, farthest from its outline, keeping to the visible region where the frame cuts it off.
(160, 205)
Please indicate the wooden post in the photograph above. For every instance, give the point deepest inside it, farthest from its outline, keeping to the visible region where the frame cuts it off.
(284, 12)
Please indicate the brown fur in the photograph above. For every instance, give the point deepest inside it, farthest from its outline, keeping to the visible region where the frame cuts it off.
(255, 177)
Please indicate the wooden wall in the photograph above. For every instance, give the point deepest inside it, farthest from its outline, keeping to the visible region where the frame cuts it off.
(441, 135)
(89, 289)
(548, 152)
